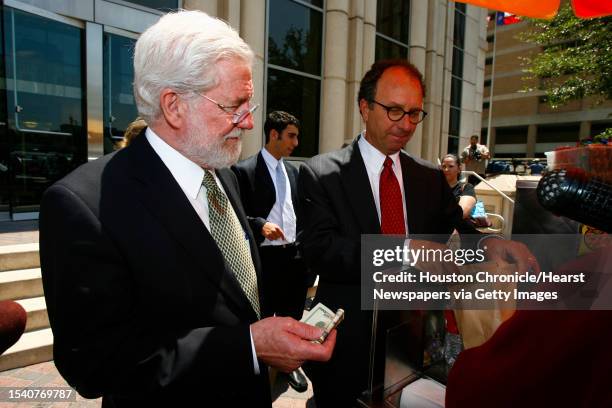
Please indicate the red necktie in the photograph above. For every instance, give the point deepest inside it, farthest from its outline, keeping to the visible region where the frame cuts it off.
(391, 205)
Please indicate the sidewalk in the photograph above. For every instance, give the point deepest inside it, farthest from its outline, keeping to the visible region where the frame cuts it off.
(46, 375)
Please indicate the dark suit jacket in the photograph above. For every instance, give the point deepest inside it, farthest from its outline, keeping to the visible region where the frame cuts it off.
(337, 207)
(144, 310)
(258, 193)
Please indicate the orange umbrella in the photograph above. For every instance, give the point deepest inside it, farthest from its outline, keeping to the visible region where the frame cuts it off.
(546, 8)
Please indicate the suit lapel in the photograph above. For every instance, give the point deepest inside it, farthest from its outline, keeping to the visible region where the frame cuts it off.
(413, 194)
(263, 183)
(357, 188)
(292, 174)
(167, 201)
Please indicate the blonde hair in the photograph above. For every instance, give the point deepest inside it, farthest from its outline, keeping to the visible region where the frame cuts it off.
(133, 130)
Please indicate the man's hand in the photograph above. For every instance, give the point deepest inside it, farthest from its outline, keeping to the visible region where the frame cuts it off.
(510, 252)
(272, 231)
(284, 343)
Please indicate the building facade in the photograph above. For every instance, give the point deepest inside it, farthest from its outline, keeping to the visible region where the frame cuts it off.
(66, 72)
(522, 123)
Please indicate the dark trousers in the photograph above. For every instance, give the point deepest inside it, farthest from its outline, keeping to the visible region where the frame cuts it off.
(284, 280)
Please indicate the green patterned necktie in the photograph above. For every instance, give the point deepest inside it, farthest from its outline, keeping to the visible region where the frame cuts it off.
(229, 236)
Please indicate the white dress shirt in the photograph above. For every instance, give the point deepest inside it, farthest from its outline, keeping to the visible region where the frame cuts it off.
(373, 160)
(189, 177)
(285, 207)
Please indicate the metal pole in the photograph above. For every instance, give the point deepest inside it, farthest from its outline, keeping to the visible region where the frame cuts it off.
(492, 83)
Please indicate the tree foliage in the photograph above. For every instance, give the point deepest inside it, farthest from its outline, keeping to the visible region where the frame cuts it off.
(576, 56)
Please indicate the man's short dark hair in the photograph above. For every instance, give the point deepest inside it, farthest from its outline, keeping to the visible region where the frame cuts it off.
(474, 137)
(367, 89)
(279, 120)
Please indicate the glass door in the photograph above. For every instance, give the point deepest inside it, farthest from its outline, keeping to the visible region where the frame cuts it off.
(44, 137)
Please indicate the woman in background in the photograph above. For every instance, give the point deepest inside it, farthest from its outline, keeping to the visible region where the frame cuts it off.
(463, 192)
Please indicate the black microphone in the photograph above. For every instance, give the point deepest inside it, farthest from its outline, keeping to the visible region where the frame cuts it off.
(576, 195)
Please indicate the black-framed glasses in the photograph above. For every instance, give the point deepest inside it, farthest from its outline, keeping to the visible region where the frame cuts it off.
(395, 113)
(237, 117)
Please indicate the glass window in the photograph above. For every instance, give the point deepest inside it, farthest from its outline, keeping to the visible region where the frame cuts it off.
(457, 62)
(387, 49)
(295, 36)
(459, 30)
(294, 67)
(392, 17)
(45, 101)
(454, 121)
(456, 90)
(119, 106)
(164, 5)
(511, 135)
(299, 96)
(457, 72)
(453, 145)
(316, 3)
(392, 29)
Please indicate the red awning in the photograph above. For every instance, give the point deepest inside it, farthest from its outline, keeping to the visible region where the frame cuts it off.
(546, 8)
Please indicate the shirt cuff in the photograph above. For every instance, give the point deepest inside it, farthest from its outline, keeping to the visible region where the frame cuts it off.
(255, 362)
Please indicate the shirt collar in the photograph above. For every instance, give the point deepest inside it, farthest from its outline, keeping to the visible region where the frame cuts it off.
(270, 160)
(187, 174)
(372, 157)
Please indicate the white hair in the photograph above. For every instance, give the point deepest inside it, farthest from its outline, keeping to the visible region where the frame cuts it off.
(180, 52)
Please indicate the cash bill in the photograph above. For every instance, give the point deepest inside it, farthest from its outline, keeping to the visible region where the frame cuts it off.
(322, 317)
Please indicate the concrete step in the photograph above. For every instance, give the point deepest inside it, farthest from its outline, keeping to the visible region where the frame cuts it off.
(22, 256)
(37, 313)
(20, 284)
(32, 348)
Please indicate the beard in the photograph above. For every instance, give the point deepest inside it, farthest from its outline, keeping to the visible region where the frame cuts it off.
(212, 151)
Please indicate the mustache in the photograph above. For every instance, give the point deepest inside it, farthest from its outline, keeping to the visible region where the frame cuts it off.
(233, 134)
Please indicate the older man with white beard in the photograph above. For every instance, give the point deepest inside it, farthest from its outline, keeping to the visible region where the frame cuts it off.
(150, 270)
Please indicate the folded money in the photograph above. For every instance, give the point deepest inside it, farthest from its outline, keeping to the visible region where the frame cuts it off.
(322, 317)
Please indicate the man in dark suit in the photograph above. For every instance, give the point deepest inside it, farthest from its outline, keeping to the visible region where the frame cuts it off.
(368, 187)
(268, 186)
(150, 271)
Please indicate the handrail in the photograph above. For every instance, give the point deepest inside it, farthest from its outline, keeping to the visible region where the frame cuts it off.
(472, 173)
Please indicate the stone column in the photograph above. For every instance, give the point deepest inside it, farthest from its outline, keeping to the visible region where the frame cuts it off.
(229, 10)
(532, 134)
(333, 104)
(355, 68)
(585, 130)
(491, 141)
(207, 6)
(252, 15)
(369, 35)
(434, 72)
(417, 56)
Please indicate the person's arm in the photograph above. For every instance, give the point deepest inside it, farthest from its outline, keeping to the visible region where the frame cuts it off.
(105, 339)
(272, 231)
(467, 203)
(467, 200)
(485, 152)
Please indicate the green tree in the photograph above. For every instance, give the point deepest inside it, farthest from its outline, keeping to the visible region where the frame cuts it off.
(576, 57)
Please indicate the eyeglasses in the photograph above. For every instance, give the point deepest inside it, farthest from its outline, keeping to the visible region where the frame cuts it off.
(396, 114)
(237, 117)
